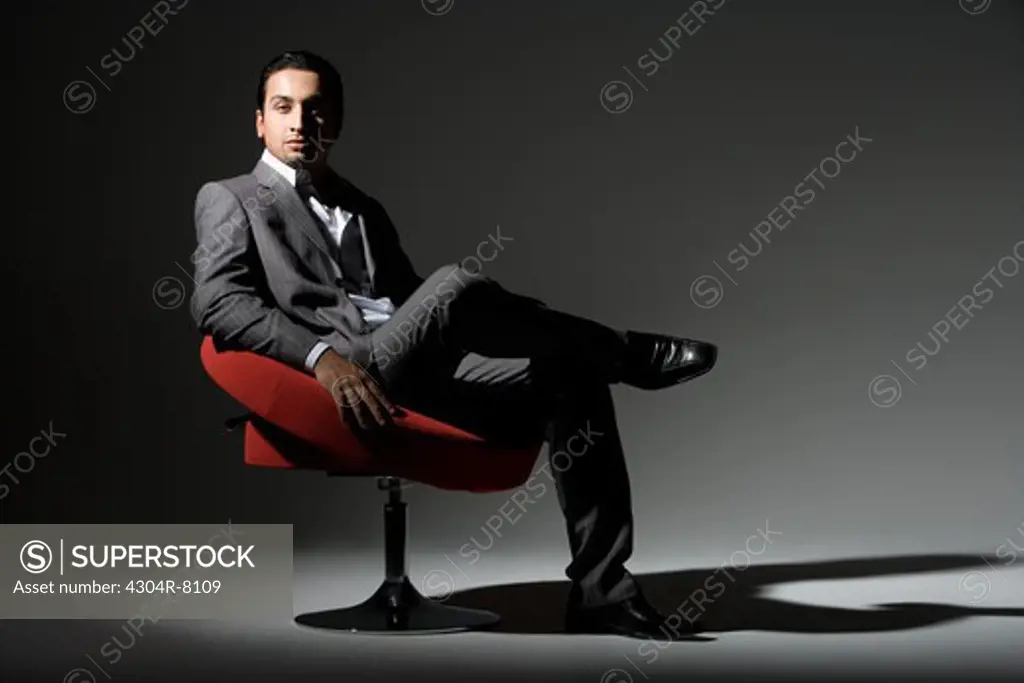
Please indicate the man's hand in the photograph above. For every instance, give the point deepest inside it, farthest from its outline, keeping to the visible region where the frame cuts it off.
(355, 392)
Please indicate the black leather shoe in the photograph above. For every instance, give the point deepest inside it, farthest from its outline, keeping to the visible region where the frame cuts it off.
(633, 618)
(656, 361)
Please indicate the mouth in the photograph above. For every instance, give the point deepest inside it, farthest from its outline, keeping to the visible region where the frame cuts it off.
(296, 143)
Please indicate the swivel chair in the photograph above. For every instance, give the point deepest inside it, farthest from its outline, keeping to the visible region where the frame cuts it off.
(292, 422)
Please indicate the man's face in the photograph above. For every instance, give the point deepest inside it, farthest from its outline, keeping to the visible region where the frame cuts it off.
(297, 124)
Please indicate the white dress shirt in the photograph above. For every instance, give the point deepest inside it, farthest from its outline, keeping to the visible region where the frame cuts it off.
(375, 311)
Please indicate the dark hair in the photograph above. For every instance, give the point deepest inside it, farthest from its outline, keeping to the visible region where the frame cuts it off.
(330, 79)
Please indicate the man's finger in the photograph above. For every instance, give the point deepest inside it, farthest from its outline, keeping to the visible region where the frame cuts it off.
(373, 396)
(360, 411)
(378, 391)
(380, 414)
(340, 388)
(362, 390)
(355, 404)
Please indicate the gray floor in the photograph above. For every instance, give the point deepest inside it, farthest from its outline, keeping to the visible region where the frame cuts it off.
(950, 616)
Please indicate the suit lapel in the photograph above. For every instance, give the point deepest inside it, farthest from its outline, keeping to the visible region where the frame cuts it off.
(297, 215)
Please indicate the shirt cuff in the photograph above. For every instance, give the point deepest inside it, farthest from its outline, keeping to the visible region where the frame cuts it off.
(314, 354)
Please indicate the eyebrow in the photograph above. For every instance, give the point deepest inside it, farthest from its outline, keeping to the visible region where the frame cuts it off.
(315, 98)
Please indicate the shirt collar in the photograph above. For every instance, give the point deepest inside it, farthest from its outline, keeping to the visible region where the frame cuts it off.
(284, 169)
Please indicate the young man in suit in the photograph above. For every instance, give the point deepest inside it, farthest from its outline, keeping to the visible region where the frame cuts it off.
(296, 263)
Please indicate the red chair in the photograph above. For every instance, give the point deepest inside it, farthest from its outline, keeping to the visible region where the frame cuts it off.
(293, 423)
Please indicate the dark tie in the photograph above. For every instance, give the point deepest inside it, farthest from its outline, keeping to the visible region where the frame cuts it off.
(355, 276)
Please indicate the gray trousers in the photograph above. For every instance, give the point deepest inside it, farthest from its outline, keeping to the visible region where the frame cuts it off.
(466, 351)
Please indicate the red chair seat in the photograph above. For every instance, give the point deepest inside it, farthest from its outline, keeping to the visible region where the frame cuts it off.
(305, 432)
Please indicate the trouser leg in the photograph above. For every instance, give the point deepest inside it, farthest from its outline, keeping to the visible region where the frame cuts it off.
(567, 404)
(589, 467)
(457, 311)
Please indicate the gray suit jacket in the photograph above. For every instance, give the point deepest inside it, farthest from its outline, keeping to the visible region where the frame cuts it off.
(266, 279)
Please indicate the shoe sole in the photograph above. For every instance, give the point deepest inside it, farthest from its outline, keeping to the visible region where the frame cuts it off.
(662, 383)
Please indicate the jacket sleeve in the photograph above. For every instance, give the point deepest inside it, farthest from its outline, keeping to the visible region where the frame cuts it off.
(231, 300)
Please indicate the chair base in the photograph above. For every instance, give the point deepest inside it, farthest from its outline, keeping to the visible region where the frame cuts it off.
(398, 608)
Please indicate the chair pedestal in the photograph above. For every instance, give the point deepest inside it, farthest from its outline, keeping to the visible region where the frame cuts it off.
(396, 606)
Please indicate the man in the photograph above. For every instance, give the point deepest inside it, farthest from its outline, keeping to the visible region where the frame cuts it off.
(296, 263)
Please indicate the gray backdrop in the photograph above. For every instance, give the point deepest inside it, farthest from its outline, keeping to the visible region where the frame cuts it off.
(469, 116)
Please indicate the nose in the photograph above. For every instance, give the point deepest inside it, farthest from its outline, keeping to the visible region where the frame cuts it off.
(296, 119)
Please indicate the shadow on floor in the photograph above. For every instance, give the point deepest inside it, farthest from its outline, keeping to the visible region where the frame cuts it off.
(537, 608)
